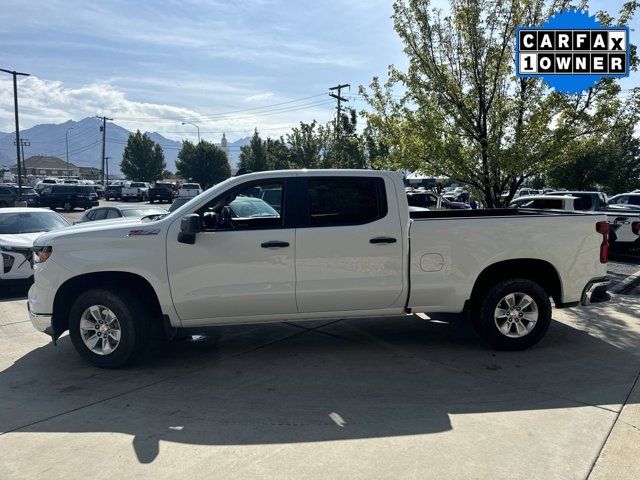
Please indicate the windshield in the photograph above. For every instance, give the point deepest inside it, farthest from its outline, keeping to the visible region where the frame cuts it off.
(191, 186)
(30, 222)
(248, 207)
(137, 185)
(143, 212)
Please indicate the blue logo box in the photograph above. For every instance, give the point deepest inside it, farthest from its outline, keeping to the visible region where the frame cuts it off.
(572, 51)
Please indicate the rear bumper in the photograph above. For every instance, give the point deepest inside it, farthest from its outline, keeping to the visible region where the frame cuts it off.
(595, 291)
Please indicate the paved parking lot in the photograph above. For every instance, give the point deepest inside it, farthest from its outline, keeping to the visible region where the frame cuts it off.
(404, 397)
(372, 398)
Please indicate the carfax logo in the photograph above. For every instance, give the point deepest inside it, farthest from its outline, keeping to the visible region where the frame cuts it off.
(572, 51)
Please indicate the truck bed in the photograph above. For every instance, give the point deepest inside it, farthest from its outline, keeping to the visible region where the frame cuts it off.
(491, 212)
(448, 252)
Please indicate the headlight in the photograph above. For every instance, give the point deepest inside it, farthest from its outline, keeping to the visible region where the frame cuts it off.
(41, 254)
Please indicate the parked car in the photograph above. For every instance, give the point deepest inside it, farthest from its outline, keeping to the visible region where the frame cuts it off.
(9, 195)
(136, 191)
(44, 182)
(273, 197)
(178, 202)
(113, 192)
(162, 192)
(189, 190)
(547, 202)
(430, 200)
(591, 201)
(631, 200)
(345, 245)
(120, 211)
(99, 190)
(19, 227)
(623, 212)
(68, 197)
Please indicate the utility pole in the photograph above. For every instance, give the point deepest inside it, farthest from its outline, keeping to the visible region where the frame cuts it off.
(17, 142)
(103, 129)
(106, 160)
(24, 142)
(66, 141)
(339, 99)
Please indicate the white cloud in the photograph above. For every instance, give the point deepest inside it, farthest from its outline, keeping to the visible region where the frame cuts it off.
(258, 97)
(45, 101)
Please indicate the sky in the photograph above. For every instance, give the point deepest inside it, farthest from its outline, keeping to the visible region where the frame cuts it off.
(224, 65)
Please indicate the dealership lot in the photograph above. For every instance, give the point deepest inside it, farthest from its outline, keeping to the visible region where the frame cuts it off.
(402, 397)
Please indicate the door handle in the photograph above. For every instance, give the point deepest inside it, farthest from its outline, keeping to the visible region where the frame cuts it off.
(383, 240)
(274, 244)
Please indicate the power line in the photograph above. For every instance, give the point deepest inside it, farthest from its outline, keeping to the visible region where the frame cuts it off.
(199, 116)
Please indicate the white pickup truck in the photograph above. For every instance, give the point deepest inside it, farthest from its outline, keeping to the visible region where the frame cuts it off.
(136, 191)
(337, 243)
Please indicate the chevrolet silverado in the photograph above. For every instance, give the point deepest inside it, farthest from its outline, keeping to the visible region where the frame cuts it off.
(342, 244)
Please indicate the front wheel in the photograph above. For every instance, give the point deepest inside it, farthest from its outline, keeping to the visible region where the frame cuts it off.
(513, 314)
(108, 329)
(67, 206)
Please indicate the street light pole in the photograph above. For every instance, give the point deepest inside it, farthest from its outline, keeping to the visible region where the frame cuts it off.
(15, 106)
(197, 127)
(66, 140)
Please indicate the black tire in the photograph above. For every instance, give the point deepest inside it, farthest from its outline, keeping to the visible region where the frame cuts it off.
(134, 327)
(3, 204)
(485, 323)
(67, 206)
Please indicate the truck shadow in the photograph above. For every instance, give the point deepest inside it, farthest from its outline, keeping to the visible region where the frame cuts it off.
(315, 382)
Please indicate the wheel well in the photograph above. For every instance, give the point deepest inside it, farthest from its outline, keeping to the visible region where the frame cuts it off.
(72, 288)
(539, 271)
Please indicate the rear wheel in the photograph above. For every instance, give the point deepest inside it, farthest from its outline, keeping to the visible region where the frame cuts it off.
(513, 314)
(108, 329)
(3, 204)
(67, 206)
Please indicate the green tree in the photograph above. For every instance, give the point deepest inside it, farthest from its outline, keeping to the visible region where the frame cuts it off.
(345, 148)
(307, 144)
(203, 163)
(254, 156)
(143, 159)
(463, 113)
(611, 163)
(277, 154)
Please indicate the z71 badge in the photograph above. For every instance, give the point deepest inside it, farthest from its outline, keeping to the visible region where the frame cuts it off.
(572, 51)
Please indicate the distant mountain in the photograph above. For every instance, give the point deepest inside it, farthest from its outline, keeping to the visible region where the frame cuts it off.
(85, 144)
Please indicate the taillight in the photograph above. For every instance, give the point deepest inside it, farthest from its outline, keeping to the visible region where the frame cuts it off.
(603, 229)
(635, 228)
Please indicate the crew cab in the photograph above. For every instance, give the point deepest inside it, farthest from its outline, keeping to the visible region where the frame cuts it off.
(135, 191)
(162, 192)
(342, 245)
(189, 190)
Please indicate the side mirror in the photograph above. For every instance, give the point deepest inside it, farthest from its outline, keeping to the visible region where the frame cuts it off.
(190, 225)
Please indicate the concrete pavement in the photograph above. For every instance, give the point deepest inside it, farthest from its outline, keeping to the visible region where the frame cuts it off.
(370, 398)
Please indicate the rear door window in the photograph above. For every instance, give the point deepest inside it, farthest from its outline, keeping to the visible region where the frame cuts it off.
(100, 214)
(337, 201)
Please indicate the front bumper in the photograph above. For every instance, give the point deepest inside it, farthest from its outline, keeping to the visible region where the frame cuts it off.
(40, 321)
(595, 291)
